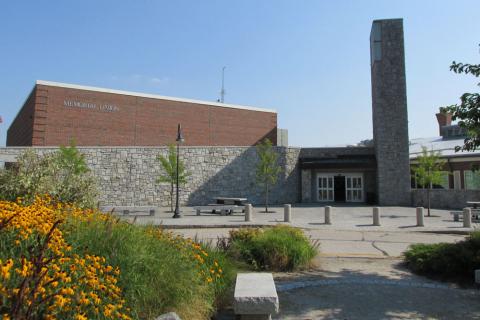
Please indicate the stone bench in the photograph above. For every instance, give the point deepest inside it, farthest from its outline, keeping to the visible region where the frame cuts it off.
(255, 296)
(457, 215)
(213, 208)
(127, 210)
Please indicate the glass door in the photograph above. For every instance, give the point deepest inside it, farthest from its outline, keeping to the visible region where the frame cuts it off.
(325, 187)
(354, 188)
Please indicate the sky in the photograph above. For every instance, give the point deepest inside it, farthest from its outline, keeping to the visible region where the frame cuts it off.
(309, 60)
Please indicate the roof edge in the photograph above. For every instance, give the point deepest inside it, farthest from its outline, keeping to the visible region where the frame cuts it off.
(152, 96)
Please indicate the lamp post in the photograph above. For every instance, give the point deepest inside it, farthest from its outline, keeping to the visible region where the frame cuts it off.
(179, 140)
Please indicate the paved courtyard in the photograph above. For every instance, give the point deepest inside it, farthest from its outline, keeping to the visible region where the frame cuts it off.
(358, 273)
(309, 217)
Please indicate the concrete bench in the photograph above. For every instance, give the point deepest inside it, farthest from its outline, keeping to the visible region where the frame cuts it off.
(127, 210)
(457, 215)
(255, 296)
(213, 208)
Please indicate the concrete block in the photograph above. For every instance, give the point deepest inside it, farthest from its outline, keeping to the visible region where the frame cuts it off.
(168, 316)
(255, 294)
(376, 216)
(420, 217)
(287, 213)
(328, 211)
(467, 218)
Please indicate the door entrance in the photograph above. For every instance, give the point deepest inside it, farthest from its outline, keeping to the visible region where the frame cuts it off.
(325, 188)
(339, 188)
(346, 187)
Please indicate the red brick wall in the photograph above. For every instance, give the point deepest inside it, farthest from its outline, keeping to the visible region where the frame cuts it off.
(139, 121)
(20, 132)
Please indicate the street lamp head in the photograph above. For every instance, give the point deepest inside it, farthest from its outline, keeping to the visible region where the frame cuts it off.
(180, 138)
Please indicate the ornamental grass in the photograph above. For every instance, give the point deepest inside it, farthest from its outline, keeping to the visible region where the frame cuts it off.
(61, 262)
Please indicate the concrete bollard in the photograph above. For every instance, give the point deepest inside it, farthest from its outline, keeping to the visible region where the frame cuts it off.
(420, 217)
(467, 218)
(287, 213)
(376, 216)
(328, 211)
(477, 276)
(248, 212)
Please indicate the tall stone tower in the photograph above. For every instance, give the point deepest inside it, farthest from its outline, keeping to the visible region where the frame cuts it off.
(389, 104)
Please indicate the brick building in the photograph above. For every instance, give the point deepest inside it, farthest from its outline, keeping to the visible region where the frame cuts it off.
(54, 113)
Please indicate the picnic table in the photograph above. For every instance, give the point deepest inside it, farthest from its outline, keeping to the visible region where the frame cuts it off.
(224, 205)
(235, 201)
(474, 204)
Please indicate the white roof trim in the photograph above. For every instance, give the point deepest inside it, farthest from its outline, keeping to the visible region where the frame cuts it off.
(153, 96)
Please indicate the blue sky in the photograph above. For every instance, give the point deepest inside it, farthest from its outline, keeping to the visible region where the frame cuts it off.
(309, 60)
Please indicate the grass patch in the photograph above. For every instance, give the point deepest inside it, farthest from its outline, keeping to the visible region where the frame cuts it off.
(448, 261)
(160, 272)
(279, 248)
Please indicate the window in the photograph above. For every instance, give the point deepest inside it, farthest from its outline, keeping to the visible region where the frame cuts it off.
(472, 180)
(445, 182)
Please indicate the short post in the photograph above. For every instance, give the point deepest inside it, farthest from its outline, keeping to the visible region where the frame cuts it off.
(467, 218)
(420, 217)
(287, 213)
(328, 211)
(248, 212)
(376, 216)
(198, 212)
(152, 212)
(477, 276)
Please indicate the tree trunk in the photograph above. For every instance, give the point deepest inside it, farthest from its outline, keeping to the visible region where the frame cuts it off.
(266, 198)
(428, 201)
(171, 197)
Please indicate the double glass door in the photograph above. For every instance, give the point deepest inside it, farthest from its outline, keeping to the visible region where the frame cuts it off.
(349, 190)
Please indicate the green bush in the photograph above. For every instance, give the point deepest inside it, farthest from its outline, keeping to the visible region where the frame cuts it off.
(63, 175)
(160, 273)
(456, 261)
(279, 248)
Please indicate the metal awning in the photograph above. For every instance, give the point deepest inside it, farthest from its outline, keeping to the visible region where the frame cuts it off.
(340, 162)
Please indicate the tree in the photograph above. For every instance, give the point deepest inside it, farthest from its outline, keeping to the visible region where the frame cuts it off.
(428, 171)
(169, 165)
(267, 167)
(468, 111)
(62, 174)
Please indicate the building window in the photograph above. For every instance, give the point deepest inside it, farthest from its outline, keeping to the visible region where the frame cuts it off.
(472, 180)
(444, 184)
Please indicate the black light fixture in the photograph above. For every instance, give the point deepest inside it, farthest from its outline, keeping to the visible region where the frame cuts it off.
(179, 140)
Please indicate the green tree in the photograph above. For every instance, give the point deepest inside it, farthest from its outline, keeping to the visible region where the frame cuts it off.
(428, 171)
(63, 175)
(169, 165)
(267, 167)
(468, 111)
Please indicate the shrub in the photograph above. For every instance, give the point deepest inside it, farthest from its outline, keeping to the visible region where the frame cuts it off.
(63, 175)
(456, 261)
(279, 248)
(122, 270)
(43, 278)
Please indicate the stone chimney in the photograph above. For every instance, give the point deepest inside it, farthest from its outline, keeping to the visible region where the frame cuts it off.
(444, 119)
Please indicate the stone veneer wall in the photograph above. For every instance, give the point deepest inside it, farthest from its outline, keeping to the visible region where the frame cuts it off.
(444, 199)
(127, 175)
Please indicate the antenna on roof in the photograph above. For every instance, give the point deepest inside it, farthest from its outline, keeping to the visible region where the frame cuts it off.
(222, 92)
